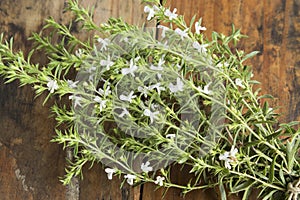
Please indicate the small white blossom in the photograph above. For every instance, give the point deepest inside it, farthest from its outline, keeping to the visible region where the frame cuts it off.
(170, 136)
(206, 90)
(178, 87)
(151, 11)
(225, 64)
(102, 103)
(52, 85)
(164, 45)
(107, 63)
(158, 68)
(76, 100)
(130, 178)
(104, 43)
(178, 66)
(144, 90)
(200, 47)
(159, 65)
(126, 39)
(132, 68)
(124, 112)
(157, 87)
(91, 71)
(78, 52)
(104, 92)
(159, 180)
(72, 84)
(239, 82)
(150, 114)
(182, 33)
(164, 29)
(146, 167)
(229, 157)
(128, 97)
(199, 28)
(171, 15)
(110, 172)
(154, 106)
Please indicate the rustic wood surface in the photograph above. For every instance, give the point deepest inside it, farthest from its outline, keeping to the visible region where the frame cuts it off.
(30, 165)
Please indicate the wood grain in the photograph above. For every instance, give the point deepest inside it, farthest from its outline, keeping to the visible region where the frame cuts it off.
(30, 165)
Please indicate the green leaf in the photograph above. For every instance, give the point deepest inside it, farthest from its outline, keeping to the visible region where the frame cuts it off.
(269, 195)
(249, 55)
(246, 193)
(222, 191)
(291, 150)
(242, 186)
(192, 22)
(282, 176)
(274, 135)
(272, 169)
(266, 96)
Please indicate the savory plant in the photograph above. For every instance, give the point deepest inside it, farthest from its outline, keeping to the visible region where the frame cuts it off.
(144, 99)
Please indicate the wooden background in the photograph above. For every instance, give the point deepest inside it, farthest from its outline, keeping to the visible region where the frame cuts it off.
(30, 165)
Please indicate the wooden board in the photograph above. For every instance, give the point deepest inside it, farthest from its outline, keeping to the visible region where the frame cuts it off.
(30, 165)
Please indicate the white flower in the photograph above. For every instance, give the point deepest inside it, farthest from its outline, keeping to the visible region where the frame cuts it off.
(144, 90)
(91, 71)
(225, 64)
(78, 52)
(199, 28)
(206, 90)
(76, 100)
(124, 112)
(159, 65)
(229, 157)
(104, 43)
(72, 84)
(158, 76)
(108, 63)
(130, 70)
(163, 45)
(52, 85)
(182, 33)
(158, 68)
(178, 87)
(159, 180)
(200, 47)
(151, 114)
(101, 102)
(157, 87)
(170, 136)
(154, 106)
(178, 66)
(164, 29)
(128, 97)
(239, 82)
(151, 11)
(146, 167)
(110, 172)
(130, 178)
(104, 92)
(171, 15)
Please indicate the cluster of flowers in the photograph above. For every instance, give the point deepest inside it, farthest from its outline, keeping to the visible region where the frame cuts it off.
(228, 157)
